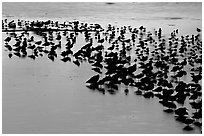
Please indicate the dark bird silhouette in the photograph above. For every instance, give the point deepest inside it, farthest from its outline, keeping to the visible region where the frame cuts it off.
(181, 73)
(10, 55)
(198, 30)
(98, 64)
(196, 78)
(196, 105)
(32, 56)
(197, 115)
(170, 105)
(76, 62)
(31, 47)
(138, 92)
(188, 128)
(64, 53)
(8, 39)
(97, 70)
(148, 94)
(8, 47)
(182, 111)
(65, 59)
(198, 124)
(181, 97)
(31, 39)
(181, 118)
(194, 96)
(38, 42)
(51, 57)
(18, 54)
(188, 122)
(93, 79)
(132, 69)
(58, 37)
(157, 89)
(111, 48)
(101, 41)
(140, 75)
(176, 68)
(126, 91)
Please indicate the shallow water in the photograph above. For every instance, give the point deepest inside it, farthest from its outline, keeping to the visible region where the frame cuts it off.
(41, 96)
(185, 15)
(45, 97)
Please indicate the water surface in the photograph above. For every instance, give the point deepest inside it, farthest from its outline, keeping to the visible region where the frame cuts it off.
(51, 97)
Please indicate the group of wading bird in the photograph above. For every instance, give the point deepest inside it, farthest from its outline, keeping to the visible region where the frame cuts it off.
(147, 62)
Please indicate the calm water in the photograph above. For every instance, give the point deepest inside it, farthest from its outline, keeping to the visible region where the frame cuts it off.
(51, 97)
(186, 16)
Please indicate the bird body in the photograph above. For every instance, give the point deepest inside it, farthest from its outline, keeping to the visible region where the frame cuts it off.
(38, 42)
(76, 62)
(126, 91)
(97, 70)
(182, 111)
(138, 92)
(148, 94)
(93, 79)
(8, 39)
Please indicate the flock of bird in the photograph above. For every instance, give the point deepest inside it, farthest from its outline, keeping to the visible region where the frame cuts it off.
(154, 65)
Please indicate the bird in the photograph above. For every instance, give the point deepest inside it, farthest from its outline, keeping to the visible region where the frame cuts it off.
(197, 115)
(168, 110)
(31, 47)
(65, 59)
(111, 48)
(126, 91)
(58, 37)
(181, 111)
(170, 105)
(198, 124)
(188, 121)
(198, 30)
(132, 69)
(140, 75)
(31, 39)
(196, 78)
(8, 47)
(32, 56)
(51, 57)
(157, 89)
(93, 79)
(196, 105)
(98, 64)
(181, 73)
(188, 128)
(148, 94)
(76, 62)
(101, 40)
(97, 70)
(38, 42)
(176, 68)
(194, 96)
(17, 54)
(8, 39)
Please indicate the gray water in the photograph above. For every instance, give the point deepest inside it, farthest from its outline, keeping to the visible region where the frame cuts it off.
(51, 97)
